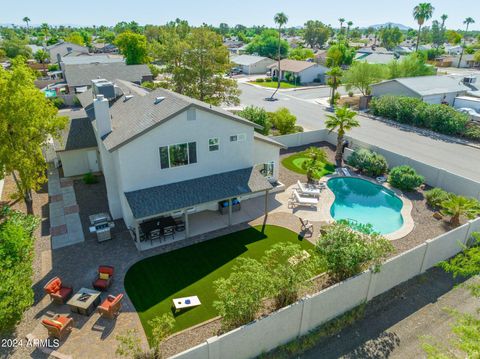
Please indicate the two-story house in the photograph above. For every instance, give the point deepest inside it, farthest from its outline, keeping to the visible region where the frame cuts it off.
(168, 155)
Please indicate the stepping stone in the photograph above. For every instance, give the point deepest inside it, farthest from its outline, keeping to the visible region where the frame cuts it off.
(58, 230)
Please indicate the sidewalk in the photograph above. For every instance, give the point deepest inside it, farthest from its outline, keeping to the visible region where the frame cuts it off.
(65, 226)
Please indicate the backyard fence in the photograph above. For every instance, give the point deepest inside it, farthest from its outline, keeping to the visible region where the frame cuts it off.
(312, 311)
(435, 177)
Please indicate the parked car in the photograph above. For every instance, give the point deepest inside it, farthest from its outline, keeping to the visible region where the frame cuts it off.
(474, 115)
(236, 71)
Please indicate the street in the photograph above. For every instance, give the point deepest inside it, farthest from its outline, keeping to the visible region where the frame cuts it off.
(454, 157)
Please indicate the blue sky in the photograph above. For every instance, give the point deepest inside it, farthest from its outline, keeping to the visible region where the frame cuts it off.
(248, 12)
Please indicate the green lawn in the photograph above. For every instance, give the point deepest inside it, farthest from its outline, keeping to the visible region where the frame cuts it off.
(153, 282)
(295, 161)
(272, 84)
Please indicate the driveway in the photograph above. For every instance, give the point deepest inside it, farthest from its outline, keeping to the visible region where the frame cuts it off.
(396, 321)
(451, 156)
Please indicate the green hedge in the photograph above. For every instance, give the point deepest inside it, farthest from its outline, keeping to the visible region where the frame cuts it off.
(16, 257)
(412, 111)
(405, 178)
(369, 162)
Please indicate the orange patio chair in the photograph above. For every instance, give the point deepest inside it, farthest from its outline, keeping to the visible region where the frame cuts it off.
(58, 292)
(58, 326)
(111, 306)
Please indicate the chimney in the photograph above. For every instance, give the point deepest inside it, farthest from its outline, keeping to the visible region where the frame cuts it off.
(101, 107)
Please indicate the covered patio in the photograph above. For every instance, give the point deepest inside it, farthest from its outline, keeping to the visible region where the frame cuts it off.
(177, 211)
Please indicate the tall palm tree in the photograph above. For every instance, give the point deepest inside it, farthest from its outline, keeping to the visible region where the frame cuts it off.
(26, 20)
(349, 25)
(422, 12)
(444, 18)
(467, 22)
(280, 19)
(334, 80)
(343, 120)
(341, 21)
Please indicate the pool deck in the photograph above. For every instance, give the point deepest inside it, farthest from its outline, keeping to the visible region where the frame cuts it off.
(327, 197)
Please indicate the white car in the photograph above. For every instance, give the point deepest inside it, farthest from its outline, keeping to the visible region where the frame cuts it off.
(469, 111)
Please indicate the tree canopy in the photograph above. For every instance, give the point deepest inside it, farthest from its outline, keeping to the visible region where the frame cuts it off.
(361, 75)
(266, 44)
(316, 33)
(133, 46)
(390, 37)
(340, 54)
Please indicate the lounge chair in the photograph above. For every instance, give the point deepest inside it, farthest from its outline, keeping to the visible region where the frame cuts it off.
(104, 278)
(346, 172)
(304, 189)
(111, 306)
(58, 326)
(304, 201)
(58, 292)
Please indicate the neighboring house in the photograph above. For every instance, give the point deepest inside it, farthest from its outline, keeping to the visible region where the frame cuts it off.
(35, 48)
(105, 48)
(304, 71)
(77, 147)
(321, 57)
(431, 89)
(467, 61)
(373, 49)
(252, 65)
(79, 77)
(402, 50)
(91, 59)
(165, 154)
(378, 58)
(453, 50)
(61, 49)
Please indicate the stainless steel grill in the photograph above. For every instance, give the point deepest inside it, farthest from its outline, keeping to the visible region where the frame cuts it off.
(101, 224)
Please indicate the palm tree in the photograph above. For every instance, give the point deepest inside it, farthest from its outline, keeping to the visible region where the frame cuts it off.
(457, 206)
(444, 18)
(315, 162)
(467, 22)
(334, 80)
(343, 120)
(349, 25)
(341, 20)
(280, 19)
(422, 12)
(26, 20)
(41, 56)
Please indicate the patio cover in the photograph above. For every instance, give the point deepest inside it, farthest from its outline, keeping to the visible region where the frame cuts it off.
(157, 200)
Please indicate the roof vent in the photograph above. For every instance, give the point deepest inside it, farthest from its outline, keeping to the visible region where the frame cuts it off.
(159, 99)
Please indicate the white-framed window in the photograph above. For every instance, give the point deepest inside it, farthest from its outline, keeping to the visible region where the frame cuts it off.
(241, 137)
(213, 144)
(177, 155)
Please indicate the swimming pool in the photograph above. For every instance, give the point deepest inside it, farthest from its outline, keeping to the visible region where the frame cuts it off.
(366, 202)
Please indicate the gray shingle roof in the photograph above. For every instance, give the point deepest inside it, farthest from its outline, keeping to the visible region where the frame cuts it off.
(91, 59)
(83, 74)
(247, 60)
(77, 134)
(135, 116)
(432, 85)
(174, 196)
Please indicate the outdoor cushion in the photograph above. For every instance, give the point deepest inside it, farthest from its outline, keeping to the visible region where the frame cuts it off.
(104, 276)
(52, 323)
(100, 283)
(62, 320)
(65, 292)
(106, 269)
(54, 285)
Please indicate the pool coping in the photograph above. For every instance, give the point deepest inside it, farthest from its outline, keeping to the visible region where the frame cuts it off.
(328, 197)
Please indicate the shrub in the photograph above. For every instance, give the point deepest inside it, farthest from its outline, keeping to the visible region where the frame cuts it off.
(350, 93)
(259, 116)
(76, 102)
(89, 178)
(240, 295)
(473, 132)
(405, 178)
(260, 80)
(348, 252)
(58, 102)
(154, 70)
(369, 162)
(436, 196)
(16, 258)
(458, 206)
(53, 67)
(283, 120)
(268, 79)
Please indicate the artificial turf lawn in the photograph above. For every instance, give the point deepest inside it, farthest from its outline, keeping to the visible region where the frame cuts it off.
(274, 84)
(295, 161)
(153, 282)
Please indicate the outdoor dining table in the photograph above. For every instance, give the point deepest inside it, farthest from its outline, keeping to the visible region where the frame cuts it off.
(158, 223)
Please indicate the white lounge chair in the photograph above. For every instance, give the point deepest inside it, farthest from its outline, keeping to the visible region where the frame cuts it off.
(308, 190)
(346, 172)
(304, 201)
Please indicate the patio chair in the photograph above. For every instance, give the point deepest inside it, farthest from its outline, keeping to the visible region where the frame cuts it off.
(169, 232)
(346, 172)
(179, 225)
(111, 306)
(104, 278)
(304, 201)
(58, 326)
(309, 191)
(58, 292)
(306, 225)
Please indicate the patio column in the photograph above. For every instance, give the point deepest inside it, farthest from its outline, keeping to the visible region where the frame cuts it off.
(230, 212)
(187, 230)
(266, 203)
(137, 233)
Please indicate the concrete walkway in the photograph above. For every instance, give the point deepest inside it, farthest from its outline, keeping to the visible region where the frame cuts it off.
(65, 225)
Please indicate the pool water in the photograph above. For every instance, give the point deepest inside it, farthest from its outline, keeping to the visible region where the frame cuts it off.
(366, 203)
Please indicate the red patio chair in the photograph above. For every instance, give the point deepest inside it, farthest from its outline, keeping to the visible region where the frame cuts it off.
(57, 291)
(104, 278)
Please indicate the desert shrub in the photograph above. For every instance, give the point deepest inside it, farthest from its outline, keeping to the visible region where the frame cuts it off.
(473, 132)
(89, 178)
(348, 252)
(445, 119)
(436, 196)
(58, 102)
(16, 258)
(257, 115)
(405, 178)
(283, 120)
(350, 93)
(369, 162)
